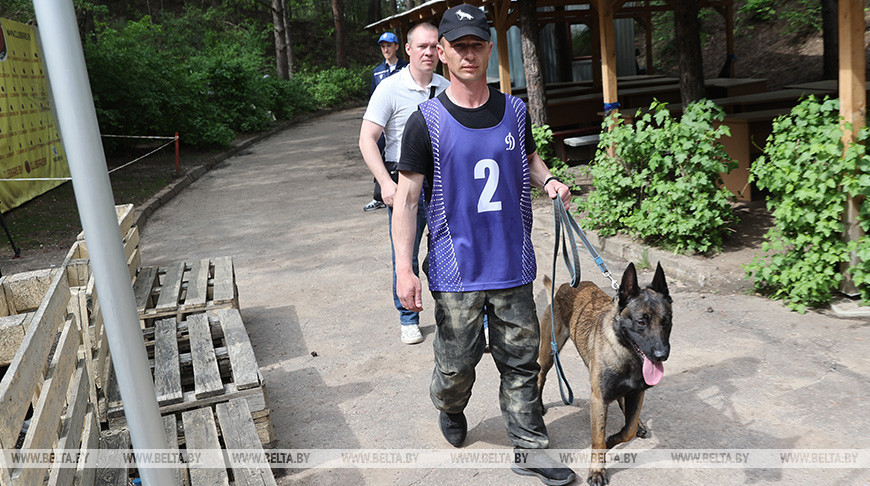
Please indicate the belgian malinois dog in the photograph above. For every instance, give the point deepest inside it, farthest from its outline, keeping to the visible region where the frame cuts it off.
(623, 342)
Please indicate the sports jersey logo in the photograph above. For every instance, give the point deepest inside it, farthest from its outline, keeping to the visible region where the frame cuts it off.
(509, 140)
(463, 15)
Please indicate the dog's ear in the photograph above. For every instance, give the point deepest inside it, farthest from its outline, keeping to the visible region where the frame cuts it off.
(659, 284)
(628, 289)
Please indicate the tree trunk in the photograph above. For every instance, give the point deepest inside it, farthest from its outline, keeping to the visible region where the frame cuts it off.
(532, 63)
(830, 63)
(288, 17)
(562, 34)
(687, 32)
(374, 12)
(394, 8)
(280, 26)
(338, 16)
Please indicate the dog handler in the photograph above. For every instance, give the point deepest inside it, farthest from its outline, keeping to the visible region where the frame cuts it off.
(474, 146)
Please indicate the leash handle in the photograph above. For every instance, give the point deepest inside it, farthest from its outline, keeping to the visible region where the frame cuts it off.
(574, 270)
(564, 219)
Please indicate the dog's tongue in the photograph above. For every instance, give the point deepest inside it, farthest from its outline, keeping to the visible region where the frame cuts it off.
(652, 371)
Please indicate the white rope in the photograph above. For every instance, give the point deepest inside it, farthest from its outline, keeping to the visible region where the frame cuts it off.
(142, 157)
(139, 136)
(69, 178)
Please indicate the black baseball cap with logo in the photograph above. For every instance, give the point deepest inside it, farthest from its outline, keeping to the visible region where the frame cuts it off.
(463, 20)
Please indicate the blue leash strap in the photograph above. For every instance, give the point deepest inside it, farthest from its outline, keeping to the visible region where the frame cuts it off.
(572, 261)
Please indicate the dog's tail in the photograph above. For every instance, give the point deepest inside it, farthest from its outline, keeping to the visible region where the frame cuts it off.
(548, 284)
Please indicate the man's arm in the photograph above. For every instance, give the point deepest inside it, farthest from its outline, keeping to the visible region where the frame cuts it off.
(540, 173)
(369, 133)
(408, 287)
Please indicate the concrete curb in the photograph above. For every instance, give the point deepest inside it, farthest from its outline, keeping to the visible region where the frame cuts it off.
(166, 194)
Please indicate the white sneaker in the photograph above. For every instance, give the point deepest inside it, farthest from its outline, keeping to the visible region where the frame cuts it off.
(411, 334)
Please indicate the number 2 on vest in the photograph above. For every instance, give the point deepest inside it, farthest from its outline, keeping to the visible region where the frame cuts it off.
(485, 202)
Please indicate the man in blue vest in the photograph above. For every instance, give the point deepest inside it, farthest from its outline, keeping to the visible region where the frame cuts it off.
(392, 64)
(474, 146)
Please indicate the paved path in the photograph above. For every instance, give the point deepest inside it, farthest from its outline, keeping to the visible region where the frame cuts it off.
(313, 272)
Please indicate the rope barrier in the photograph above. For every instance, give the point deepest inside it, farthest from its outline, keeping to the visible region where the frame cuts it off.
(34, 179)
(149, 137)
(142, 157)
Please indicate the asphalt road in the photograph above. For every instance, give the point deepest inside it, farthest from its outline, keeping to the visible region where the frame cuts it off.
(745, 375)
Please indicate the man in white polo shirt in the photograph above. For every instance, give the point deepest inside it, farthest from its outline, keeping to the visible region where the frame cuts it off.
(391, 104)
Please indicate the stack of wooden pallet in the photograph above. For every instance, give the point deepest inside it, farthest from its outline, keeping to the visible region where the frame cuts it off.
(197, 343)
(210, 391)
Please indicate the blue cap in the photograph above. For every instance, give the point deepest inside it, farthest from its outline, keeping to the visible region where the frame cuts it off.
(388, 37)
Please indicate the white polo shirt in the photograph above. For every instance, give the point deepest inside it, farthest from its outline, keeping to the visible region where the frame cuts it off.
(393, 102)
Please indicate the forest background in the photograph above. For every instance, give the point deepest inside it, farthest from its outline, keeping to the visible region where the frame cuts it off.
(216, 71)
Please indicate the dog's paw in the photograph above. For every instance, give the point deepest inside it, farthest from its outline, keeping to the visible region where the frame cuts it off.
(597, 477)
(642, 431)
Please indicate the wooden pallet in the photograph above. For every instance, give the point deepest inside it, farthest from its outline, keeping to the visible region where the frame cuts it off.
(20, 295)
(48, 374)
(225, 426)
(199, 360)
(182, 287)
(79, 259)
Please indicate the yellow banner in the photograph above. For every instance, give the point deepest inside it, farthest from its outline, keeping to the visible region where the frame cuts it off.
(30, 145)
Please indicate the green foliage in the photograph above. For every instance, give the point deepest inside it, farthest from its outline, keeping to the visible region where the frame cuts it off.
(859, 185)
(663, 181)
(200, 75)
(336, 85)
(800, 16)
(543, 137)
(809, 180)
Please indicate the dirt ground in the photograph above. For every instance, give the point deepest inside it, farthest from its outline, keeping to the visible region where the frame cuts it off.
(313, 273)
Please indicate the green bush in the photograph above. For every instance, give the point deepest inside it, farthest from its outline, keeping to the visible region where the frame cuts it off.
(808, 181)
(203, 77)
(663, 182)
(336, 85)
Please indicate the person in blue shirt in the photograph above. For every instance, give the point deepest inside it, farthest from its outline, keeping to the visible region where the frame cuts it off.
(392, 64)
(389, 44)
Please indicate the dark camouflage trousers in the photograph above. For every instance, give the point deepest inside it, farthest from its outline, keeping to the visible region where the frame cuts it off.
(513, 342)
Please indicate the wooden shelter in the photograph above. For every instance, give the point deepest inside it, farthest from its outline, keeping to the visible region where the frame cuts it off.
(599, 16)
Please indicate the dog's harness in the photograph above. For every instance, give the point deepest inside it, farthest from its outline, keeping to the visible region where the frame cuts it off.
(572, 261)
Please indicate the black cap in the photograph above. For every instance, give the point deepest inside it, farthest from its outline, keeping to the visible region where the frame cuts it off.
(463, 20)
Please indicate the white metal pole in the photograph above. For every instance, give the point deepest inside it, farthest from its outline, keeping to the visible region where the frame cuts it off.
(65, 63)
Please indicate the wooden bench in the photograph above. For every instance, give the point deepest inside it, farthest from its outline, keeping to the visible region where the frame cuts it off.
(725, 87)
(770, 100)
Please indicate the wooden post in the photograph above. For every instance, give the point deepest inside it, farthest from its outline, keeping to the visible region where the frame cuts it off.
(608, 50)
(728, 13)
(595, 35)
(648, 41)
(500, 22)
(853, 107)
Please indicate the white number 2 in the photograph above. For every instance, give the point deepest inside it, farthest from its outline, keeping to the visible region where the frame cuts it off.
(485, 202)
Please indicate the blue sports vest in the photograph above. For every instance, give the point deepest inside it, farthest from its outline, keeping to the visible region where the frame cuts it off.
(480, 212)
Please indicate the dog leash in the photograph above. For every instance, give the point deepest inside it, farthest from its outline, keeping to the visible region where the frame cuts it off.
(567, 228)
